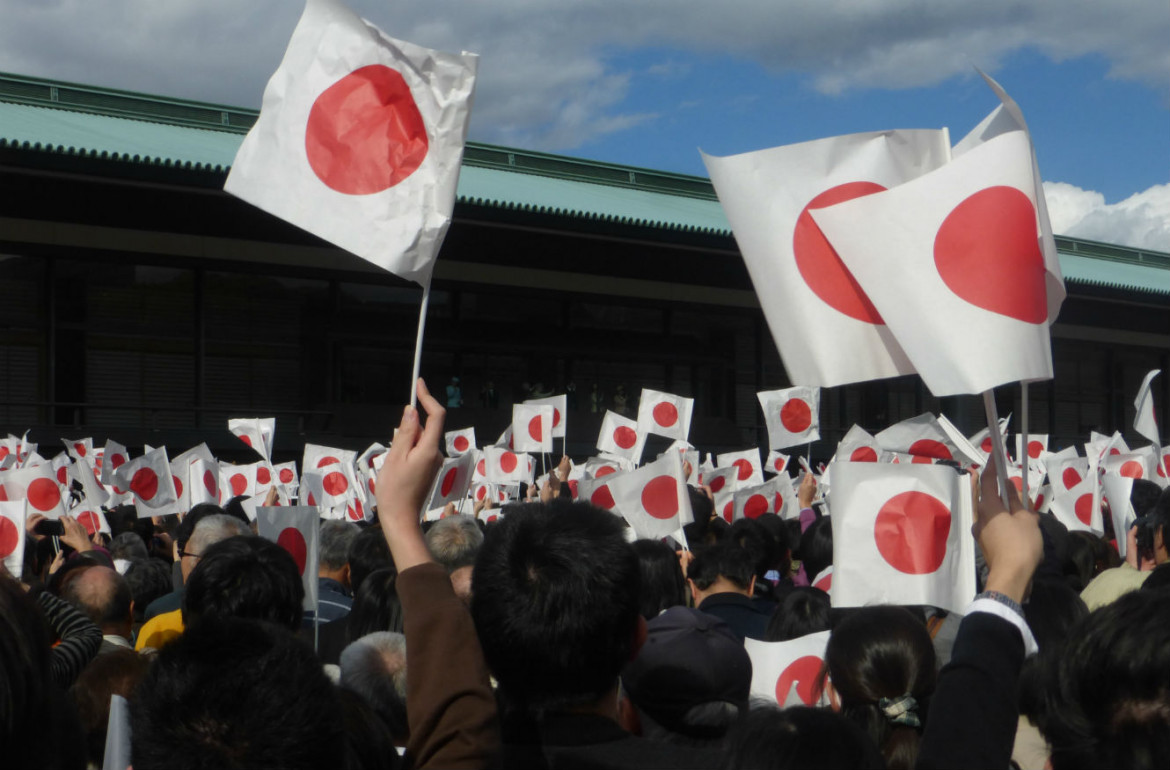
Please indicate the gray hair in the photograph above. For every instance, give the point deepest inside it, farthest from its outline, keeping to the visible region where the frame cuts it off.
(336, 537)
(454, 541)
(374, 668)
(212, 529)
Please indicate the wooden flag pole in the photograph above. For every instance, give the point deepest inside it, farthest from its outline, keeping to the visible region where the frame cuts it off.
(997, 450)
(418, 341)
(1024, 455)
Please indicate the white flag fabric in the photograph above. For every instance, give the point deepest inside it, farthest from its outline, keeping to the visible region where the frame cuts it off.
(921, 436)
(149, 479)
(316, 457)
(92, 490)
(112, 458)
(595, 491)
(12, 517)
(858, 446)
(237, 480)
(453, 480)
(459, 442)
(787, 672)
(1133, 465)
(654, 498)
(256, 432)
(504, 466)
(1076, 506)
(203, 482)
(902, 535)
(532, 427)
(286, 475)
(826, 329)
(560, 405)
(773, 496)
(792, 415)
(1117, 489)
(1144, 421)
(360, 140)
(90, 517)
(956, 249)
(1037, 446)
(776, 462)
(332, 485)
(750, 473)
(720, 480)
(621, 436)
(664, 414)
(296, 529)
(80, 448)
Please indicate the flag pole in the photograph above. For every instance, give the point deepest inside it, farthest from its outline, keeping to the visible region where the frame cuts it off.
(1024, 453)
(418, 341)
(997, 445)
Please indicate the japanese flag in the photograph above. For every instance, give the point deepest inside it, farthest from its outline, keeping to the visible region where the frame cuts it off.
(1076, 506)
(654, 498)
(505, 439)
(12, 517)
(114, 456)
(1133, 465)
(453, 480)
(749, 472)
(774, 496)
(664, 414)
(1162, 471)
(295, 529)
(1065, 470)
(792, 415)
(596, 491)
(920, 436)
(237, 480)
(90, 517)
(786, 673)
(777, 462)
(1117, 489)
(858, 446)
(982, 439)
(560, 409)
(94, 493)
(203, 482)
(78, 448)
(902, 535)
(823, 579)
(1144, 421)
(332, 485)
(460, 442)
(148, 478)
(599, 467)
(286, 476)
(256, 432)
(825, 327)
(621, 436)
(720, 480)
(1037, 446)
(504, 466)
(317, 457)
(532, 428)
(360, 140)
(956, 249)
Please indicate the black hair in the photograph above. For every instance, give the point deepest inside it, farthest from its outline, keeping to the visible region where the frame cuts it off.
(245, 577)
(1159, 578)
(1159, 517)
(1143, 496)
(723, 560)
(803, 610)
(1051, 611)
(556, 603)
(816, 547)
(662, 584)
(1108, 687)
(1081, 567)
(116, 672)
(235, 507)
(796, 738)
(369, 551)
(233, 694)
(699, 531)
(187, 525)
(369, 743)
(882, 652)
(757, 540)
(781, 553)
(376, 606)
(149, 579)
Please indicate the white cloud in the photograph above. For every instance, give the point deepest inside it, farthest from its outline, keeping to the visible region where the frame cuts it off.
(1141, 220)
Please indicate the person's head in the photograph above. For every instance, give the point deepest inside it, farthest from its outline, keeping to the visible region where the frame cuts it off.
(721, 568)
(211, 529)
(1108, 687)
(374, 667)
(232, 693)
(781, 548)
(116, 672)
(368, 552)
(1143, 496)
(880, 667)
(663, 584)
(796, 738)
(333, 549)
(245, 577)
(128, 546)
(816, 547)
(556, 603)
(105, 597)
(376, 606)
(698, 532)
(803, 610)
(1081, 567)
(454, 542)
(1159, 523)
(148, 580)
(25, 704)
(1052, 609)
(187, 526)
(758, 541)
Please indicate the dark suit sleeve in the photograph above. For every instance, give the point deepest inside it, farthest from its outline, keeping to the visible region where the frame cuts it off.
(973, 717)
(449, 701)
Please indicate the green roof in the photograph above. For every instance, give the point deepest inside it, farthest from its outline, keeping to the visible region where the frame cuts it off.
(71, 119)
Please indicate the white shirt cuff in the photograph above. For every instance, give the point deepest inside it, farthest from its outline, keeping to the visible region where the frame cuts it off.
(995, 608)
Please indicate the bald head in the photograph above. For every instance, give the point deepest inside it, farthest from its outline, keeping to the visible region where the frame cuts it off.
(103, 595)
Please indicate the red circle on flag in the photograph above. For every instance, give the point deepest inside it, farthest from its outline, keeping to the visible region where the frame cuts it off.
(1162, 465)
(573, 488)
(448, 482)
(717, 483)
(556, 417)
(1071, 477)
(1034, 449)
(780, 464)
(62, 474)
(911, 532)
(986, 445)
(335, 483)
(461, 444)
(211, 483)
(291, 540)
(818, 263)
(480, 492)
(9, 537)
(660, 497)
(245, 439)
(625, 437)
(604, 470)
(239, 483)
(327, 460)
(1018, 483)
(825, 583)
(1083, 508)
(4, 452)
(986, 252)
(286, 476)
(89, 520)
(665, 414)
(745, 469)
(80, 448)
(602, 498)
(178, 486)
(1038, 503)
(535, 429)
(481, 468)
(1132, 469)
(755, 507)
(508, 462)
(355, 511)
(144, 483)
(370, 484)
(927, 447)
(263, 476)
(365, 133)
(864, 454)
(796, 415)
(729, 511)
(802, 673)
(116, 461)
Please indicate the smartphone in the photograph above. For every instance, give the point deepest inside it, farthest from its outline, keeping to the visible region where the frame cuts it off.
(49, 527)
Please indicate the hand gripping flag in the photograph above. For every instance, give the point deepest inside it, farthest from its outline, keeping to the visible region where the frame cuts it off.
(787, 672)
(902, 535)
(825, 327)
(654, 498)
(792, 416)
(360, 140)
(664, 414)
(295, 529)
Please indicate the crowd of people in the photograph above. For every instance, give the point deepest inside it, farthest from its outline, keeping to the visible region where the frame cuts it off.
(548, 639)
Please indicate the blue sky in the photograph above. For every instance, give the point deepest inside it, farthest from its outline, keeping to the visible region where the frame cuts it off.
(647, 82)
